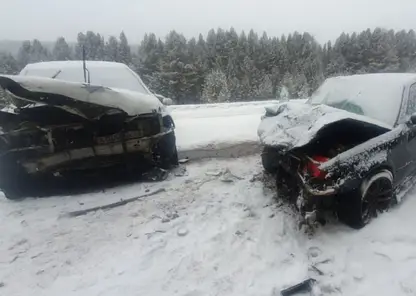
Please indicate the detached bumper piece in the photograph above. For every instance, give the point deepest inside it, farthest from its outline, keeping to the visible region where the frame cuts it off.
(303, 288)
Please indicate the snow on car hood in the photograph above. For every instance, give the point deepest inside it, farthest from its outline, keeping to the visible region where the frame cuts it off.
(296, 124)
(79, 98)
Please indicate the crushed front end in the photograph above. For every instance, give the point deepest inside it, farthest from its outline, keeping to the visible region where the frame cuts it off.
(44, 141)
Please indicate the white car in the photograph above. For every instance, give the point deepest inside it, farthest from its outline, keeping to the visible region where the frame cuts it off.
(71, 118)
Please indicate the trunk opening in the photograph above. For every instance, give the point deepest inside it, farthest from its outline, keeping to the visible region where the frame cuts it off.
(330, 141)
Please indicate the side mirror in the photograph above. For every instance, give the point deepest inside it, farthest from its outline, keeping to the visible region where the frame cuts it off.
(413, 118)
(167, 101)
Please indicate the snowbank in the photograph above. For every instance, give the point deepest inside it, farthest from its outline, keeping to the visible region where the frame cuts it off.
(212, 126)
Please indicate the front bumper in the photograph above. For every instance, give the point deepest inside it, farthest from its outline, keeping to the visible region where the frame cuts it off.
(101, 154)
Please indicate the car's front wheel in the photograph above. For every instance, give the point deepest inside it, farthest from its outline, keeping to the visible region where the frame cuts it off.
(269, 159)
(165, 151)
(14, 181)
(375, 195)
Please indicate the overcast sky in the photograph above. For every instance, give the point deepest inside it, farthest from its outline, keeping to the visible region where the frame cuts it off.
(326, 19)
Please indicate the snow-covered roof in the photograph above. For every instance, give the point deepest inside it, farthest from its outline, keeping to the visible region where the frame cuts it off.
(392, 79)
(74, 64)
(378, 96)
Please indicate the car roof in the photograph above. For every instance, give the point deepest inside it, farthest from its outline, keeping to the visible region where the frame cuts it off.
(75, 64)
(393, 79)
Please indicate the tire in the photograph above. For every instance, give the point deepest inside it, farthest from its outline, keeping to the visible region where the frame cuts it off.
(287, 187)
(375, 194)
(269, 158)
(166, 153)
(14, 182)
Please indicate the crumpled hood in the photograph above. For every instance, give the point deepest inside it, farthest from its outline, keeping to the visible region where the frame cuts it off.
(292, 124)
(86, 100)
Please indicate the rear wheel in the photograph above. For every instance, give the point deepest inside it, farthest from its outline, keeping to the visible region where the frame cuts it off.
(375, 195)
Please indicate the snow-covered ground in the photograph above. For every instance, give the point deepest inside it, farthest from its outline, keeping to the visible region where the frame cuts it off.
(201, 126)
(203, 236)
(227, 129)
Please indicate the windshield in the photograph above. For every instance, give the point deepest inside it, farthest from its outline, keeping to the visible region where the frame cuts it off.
(114, 77)
(376, 97)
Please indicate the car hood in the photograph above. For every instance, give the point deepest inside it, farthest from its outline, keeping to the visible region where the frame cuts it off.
(88, 101)
(292, 124)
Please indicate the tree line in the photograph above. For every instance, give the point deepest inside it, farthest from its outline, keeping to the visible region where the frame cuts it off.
(230, 66)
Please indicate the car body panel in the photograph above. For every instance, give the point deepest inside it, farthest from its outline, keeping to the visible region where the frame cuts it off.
(301, 131)
(88, 101)
(294, 124)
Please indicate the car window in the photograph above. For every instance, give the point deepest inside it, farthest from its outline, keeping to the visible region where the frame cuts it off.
(376, 96)
(411, 104)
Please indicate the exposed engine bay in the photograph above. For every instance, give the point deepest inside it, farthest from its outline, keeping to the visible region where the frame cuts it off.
(47, 138)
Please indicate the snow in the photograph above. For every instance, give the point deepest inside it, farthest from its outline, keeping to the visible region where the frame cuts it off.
(110, 74)
(217, 125)
(297, 124)
(377, 95)
(216, 230)
(202, 236)
(133, 103)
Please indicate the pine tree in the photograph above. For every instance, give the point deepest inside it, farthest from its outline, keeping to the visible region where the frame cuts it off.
(38, 52)
(215, 88)
(265, 89)
(24, 54)
(124, 52)
(111, 51)
(8, 64)
(61, 50)
(94, 46)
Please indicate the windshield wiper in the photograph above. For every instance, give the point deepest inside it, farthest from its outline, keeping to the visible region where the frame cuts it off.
(84, 65)
(56, 74)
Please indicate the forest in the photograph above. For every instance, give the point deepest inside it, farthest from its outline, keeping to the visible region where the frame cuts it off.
(233, 66)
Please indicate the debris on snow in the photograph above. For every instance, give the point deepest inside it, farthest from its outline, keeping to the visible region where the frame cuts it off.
(170, 216)
(214, 173)
(302, 287)
(182, 232)
(314, 252)
(180, 171)
(113, 205)
(183, 160)
(317, 270)
(155, 174)
(225, 175)
(150, 234)
(165, 220)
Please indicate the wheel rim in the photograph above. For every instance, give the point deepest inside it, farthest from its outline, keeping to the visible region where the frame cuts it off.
(376, 199)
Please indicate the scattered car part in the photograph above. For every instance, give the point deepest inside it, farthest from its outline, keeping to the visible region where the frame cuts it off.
(302, 287)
